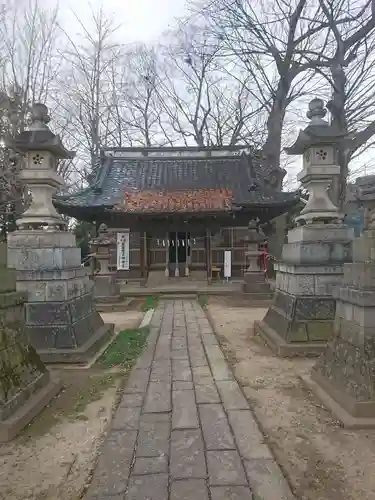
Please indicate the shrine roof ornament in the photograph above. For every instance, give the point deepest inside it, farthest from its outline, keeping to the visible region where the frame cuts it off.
(317, 132)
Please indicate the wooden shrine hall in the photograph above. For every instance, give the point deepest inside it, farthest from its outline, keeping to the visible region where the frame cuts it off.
(177, 210)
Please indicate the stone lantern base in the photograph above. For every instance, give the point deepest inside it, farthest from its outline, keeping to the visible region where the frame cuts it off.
(343, 378)
(255, 282)
(25, 383)
(61, 319)
(106, 288)
(300, 320)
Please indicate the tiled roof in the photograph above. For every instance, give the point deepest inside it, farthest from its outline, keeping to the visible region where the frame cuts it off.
(162, 183)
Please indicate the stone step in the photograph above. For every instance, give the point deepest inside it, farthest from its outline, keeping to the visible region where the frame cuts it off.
(174, 295)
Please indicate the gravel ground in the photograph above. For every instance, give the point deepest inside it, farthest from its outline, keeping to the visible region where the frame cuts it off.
(322, 460)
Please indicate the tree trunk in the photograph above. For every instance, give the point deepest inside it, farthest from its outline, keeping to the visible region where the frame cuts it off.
(337, 108)
(272, 146)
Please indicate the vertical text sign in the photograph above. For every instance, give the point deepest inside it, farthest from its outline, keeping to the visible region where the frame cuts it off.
(123, 251)
(227, 264)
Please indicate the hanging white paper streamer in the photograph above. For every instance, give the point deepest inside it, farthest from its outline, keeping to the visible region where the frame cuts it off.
(163, 243)
(183, 243)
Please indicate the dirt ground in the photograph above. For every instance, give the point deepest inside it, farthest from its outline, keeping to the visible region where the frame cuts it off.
(53, 458)
(322, 460)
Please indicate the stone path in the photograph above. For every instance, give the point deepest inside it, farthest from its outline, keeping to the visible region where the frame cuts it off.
(183, 430)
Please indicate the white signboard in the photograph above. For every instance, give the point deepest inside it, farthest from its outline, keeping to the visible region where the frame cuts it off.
(227, 263)
(123, 259)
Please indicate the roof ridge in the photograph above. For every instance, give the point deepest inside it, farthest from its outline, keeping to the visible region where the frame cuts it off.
(174, 158)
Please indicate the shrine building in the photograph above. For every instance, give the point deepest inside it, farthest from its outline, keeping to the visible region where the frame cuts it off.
(177, 210)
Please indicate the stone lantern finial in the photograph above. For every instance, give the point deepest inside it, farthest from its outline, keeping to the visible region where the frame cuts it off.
(39, 117)
(317, 112)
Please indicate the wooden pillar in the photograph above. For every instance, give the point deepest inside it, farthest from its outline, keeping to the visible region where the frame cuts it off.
(167, 256)
(143, 244)
(209, 256)
(186, 255)
(177, 269)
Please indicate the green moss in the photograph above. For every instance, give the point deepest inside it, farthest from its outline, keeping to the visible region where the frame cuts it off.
(151, 301)
(203, 300)
(125, 349)
(16, 359)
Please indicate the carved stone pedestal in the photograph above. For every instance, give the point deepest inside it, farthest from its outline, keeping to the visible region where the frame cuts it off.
(61, 320)
(25, 383)
(344, 376)
(300, 319)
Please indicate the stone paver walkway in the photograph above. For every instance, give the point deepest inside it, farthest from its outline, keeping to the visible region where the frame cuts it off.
(183, 430)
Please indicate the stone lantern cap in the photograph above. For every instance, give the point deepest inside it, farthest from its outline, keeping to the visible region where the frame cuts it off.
(317, 132)
(103, 238)
(255, 233)
(39, 136)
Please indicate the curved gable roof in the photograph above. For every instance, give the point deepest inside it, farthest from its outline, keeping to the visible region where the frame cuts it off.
(120, 180)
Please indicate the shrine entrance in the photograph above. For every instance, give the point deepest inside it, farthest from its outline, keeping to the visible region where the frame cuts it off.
(179, 253)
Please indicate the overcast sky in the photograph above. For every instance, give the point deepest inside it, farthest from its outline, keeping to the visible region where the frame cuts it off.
(141, 20)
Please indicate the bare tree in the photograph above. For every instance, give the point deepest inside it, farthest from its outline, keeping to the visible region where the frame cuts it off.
(30, 60)
(350, 56)
(12, 189)
(203, 104)
(28, 65)
(85, 85)
(186, 90)
(263, 39)
(287, 47)
(135, 107)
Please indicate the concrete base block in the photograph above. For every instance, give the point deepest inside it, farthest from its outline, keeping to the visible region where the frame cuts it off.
(255, 282)
(329, 397)
(82, 354)
(40, 398)
(106, 288)
(285, 349)
(297, 325)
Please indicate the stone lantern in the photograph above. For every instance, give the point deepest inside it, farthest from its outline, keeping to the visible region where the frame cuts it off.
(25, 384)
(300, 319)
(62, 322)
(254, 277)
(105, 288)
